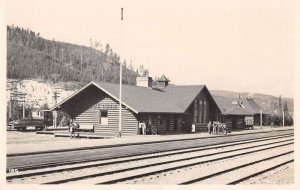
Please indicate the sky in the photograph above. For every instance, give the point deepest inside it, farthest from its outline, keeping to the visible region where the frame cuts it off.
(236, 45)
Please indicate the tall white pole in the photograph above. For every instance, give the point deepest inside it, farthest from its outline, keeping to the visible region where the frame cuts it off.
(24, 108)
(120, 90)
(283, 119)
(10, 113)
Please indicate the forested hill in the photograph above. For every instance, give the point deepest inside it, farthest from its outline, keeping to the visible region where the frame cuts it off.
(31, 56)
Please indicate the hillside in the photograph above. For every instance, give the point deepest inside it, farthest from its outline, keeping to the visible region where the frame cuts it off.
(267, 101)
(29, 56)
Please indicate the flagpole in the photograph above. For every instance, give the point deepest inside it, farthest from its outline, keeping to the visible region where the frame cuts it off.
(120, 90)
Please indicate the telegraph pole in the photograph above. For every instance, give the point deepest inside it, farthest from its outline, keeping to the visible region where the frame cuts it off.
(55, 96)
(282, 118)
(120, 90)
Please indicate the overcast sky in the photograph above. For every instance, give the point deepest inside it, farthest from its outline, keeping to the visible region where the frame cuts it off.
(237, 45)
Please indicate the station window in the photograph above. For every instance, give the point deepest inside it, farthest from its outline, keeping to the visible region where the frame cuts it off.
(196, 111)
(204, 111)
(200, 119)
(103, 119)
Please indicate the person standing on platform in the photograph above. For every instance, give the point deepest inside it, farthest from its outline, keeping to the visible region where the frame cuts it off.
(208, 127)
(272, 125)
(214, 127)
(140, 128)
(144, 128)
(218, 127)
(72, 129)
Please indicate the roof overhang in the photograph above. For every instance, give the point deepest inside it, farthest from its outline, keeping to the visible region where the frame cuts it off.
(86, 86)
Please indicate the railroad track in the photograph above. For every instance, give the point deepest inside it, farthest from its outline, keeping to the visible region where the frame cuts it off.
(39, 161)
(129, 169)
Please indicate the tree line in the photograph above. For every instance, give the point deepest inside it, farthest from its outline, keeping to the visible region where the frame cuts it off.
(280, 112)
(31, 56)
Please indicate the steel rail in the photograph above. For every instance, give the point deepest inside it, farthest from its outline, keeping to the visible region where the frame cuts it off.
(34, 173)
(143, 143)
(238, 167)
(32, 164)
(162, 163)
(260, 172)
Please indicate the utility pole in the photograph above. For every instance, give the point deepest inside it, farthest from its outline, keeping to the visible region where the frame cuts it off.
(282, 118)
(55, 96)
(120, 90)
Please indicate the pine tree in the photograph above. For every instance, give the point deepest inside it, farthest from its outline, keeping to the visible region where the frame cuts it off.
(285, 109)
(280, 103)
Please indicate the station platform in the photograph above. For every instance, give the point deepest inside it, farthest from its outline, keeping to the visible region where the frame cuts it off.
(66, 143)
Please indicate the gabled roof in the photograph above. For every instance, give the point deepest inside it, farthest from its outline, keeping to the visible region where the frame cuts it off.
(239, 111)
(224, 104)
(227, 106)
(171, 99)
(163, 78)
(256, 107)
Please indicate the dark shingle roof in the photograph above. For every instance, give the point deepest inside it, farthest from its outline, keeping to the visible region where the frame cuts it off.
(256, 107)
(239, 111)
(172, 99)
(224, 104)
(143, 99)
(227, 107)
(163, 78)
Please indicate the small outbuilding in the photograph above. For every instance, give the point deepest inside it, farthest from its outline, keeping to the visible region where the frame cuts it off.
(234, 111)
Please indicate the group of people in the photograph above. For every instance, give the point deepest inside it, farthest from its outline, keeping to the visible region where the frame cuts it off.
(214, 127)
(144, 129)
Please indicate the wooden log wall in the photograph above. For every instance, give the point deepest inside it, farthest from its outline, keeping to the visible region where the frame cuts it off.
(161, 125)
(129, 121)
(90, 115)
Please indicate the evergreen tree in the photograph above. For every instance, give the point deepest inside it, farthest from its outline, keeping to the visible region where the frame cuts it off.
(280, 103)
(31, 56)
(285, 109)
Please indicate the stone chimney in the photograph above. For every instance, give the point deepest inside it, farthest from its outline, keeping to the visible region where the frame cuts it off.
(144, 82)
(162, 82)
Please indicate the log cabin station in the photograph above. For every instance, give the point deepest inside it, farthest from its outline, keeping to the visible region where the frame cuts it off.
(170, 108)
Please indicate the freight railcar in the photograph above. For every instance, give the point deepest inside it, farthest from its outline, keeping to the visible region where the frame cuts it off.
(45, 120)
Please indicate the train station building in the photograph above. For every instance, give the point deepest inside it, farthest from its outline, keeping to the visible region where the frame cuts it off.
(170, 108)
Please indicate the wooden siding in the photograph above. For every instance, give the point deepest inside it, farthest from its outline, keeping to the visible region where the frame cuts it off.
(88, 117)
(86, 112)
(201, 110)
(129, 122)
(161, 125)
